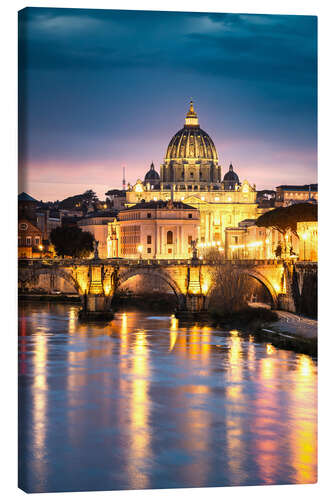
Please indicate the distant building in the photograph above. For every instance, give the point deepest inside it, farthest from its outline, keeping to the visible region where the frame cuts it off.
(154, 230)
(116, 198)
(97, 224)
(27, 207)
(249, 241)
(47, 220)
(30, 240)
(289, 195)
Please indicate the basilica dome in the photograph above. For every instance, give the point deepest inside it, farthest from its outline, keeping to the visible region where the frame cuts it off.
(191, 157)
(191, 142)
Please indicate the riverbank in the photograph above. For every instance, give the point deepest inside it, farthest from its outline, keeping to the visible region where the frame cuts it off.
(292, 331)
(59, 298)
(282, 329)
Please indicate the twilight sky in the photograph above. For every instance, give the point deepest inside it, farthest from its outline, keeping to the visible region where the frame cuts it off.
(103, 89)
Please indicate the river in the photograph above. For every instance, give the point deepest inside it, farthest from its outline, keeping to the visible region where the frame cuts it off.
(147, 402)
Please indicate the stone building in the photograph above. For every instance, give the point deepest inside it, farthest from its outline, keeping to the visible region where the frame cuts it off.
(289, 195)
(248, 241)
(116, 198)
(97, 224)
(191, 173)
(30, 240)
(154, 230)
(27, 206)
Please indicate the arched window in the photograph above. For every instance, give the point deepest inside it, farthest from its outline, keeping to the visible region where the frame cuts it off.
(169, 238)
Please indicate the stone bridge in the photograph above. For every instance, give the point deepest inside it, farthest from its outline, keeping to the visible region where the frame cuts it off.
(96, 280)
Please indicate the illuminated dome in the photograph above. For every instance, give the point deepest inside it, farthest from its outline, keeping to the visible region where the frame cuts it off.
(191, 158)
(191, 141)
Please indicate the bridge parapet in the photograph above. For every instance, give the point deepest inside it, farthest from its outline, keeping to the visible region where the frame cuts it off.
(149, 262)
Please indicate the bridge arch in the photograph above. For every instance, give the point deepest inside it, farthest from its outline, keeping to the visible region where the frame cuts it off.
(126, 275)
(259, 277)
(60, 273)
(265, 282)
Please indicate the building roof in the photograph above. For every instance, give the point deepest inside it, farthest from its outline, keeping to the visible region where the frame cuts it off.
(100, 213)
(306, 187)
(247, 222)
(160, 204)
(26, 197)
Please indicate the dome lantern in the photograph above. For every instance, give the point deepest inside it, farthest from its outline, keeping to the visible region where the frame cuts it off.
(191, 119)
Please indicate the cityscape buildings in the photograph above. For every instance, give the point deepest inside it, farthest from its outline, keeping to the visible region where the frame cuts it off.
(191, 202)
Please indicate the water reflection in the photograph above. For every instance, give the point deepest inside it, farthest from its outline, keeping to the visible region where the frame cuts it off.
(147, 402)
(139, 445)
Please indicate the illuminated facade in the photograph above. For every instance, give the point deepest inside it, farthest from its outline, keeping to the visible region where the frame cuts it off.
(154, 230)
(308, 235)
(191, 174)
(96, 223)
(249, 241)
(289, 195)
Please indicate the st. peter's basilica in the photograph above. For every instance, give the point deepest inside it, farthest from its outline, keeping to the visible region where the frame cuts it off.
(191, 174)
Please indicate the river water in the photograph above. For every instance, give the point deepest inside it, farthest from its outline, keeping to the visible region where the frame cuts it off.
(147, 402)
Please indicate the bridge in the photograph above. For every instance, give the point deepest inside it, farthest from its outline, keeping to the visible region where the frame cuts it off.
(96, 280)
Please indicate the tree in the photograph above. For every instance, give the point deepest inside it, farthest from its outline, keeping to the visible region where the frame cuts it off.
(213, 256)
(71, 241)
(90, 196)
(286, 218)
(79, 201)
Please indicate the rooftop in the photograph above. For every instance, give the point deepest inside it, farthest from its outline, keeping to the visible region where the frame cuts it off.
(26, 197)
(306, 187)
(100, 213)
(160, 204)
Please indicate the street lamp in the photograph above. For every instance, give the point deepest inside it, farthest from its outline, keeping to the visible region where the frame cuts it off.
(140, 250)
(304, 237)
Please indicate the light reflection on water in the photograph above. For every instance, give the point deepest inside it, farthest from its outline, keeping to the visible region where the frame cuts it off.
(146, 402)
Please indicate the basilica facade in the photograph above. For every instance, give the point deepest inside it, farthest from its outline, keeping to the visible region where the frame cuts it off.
(191, 173)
